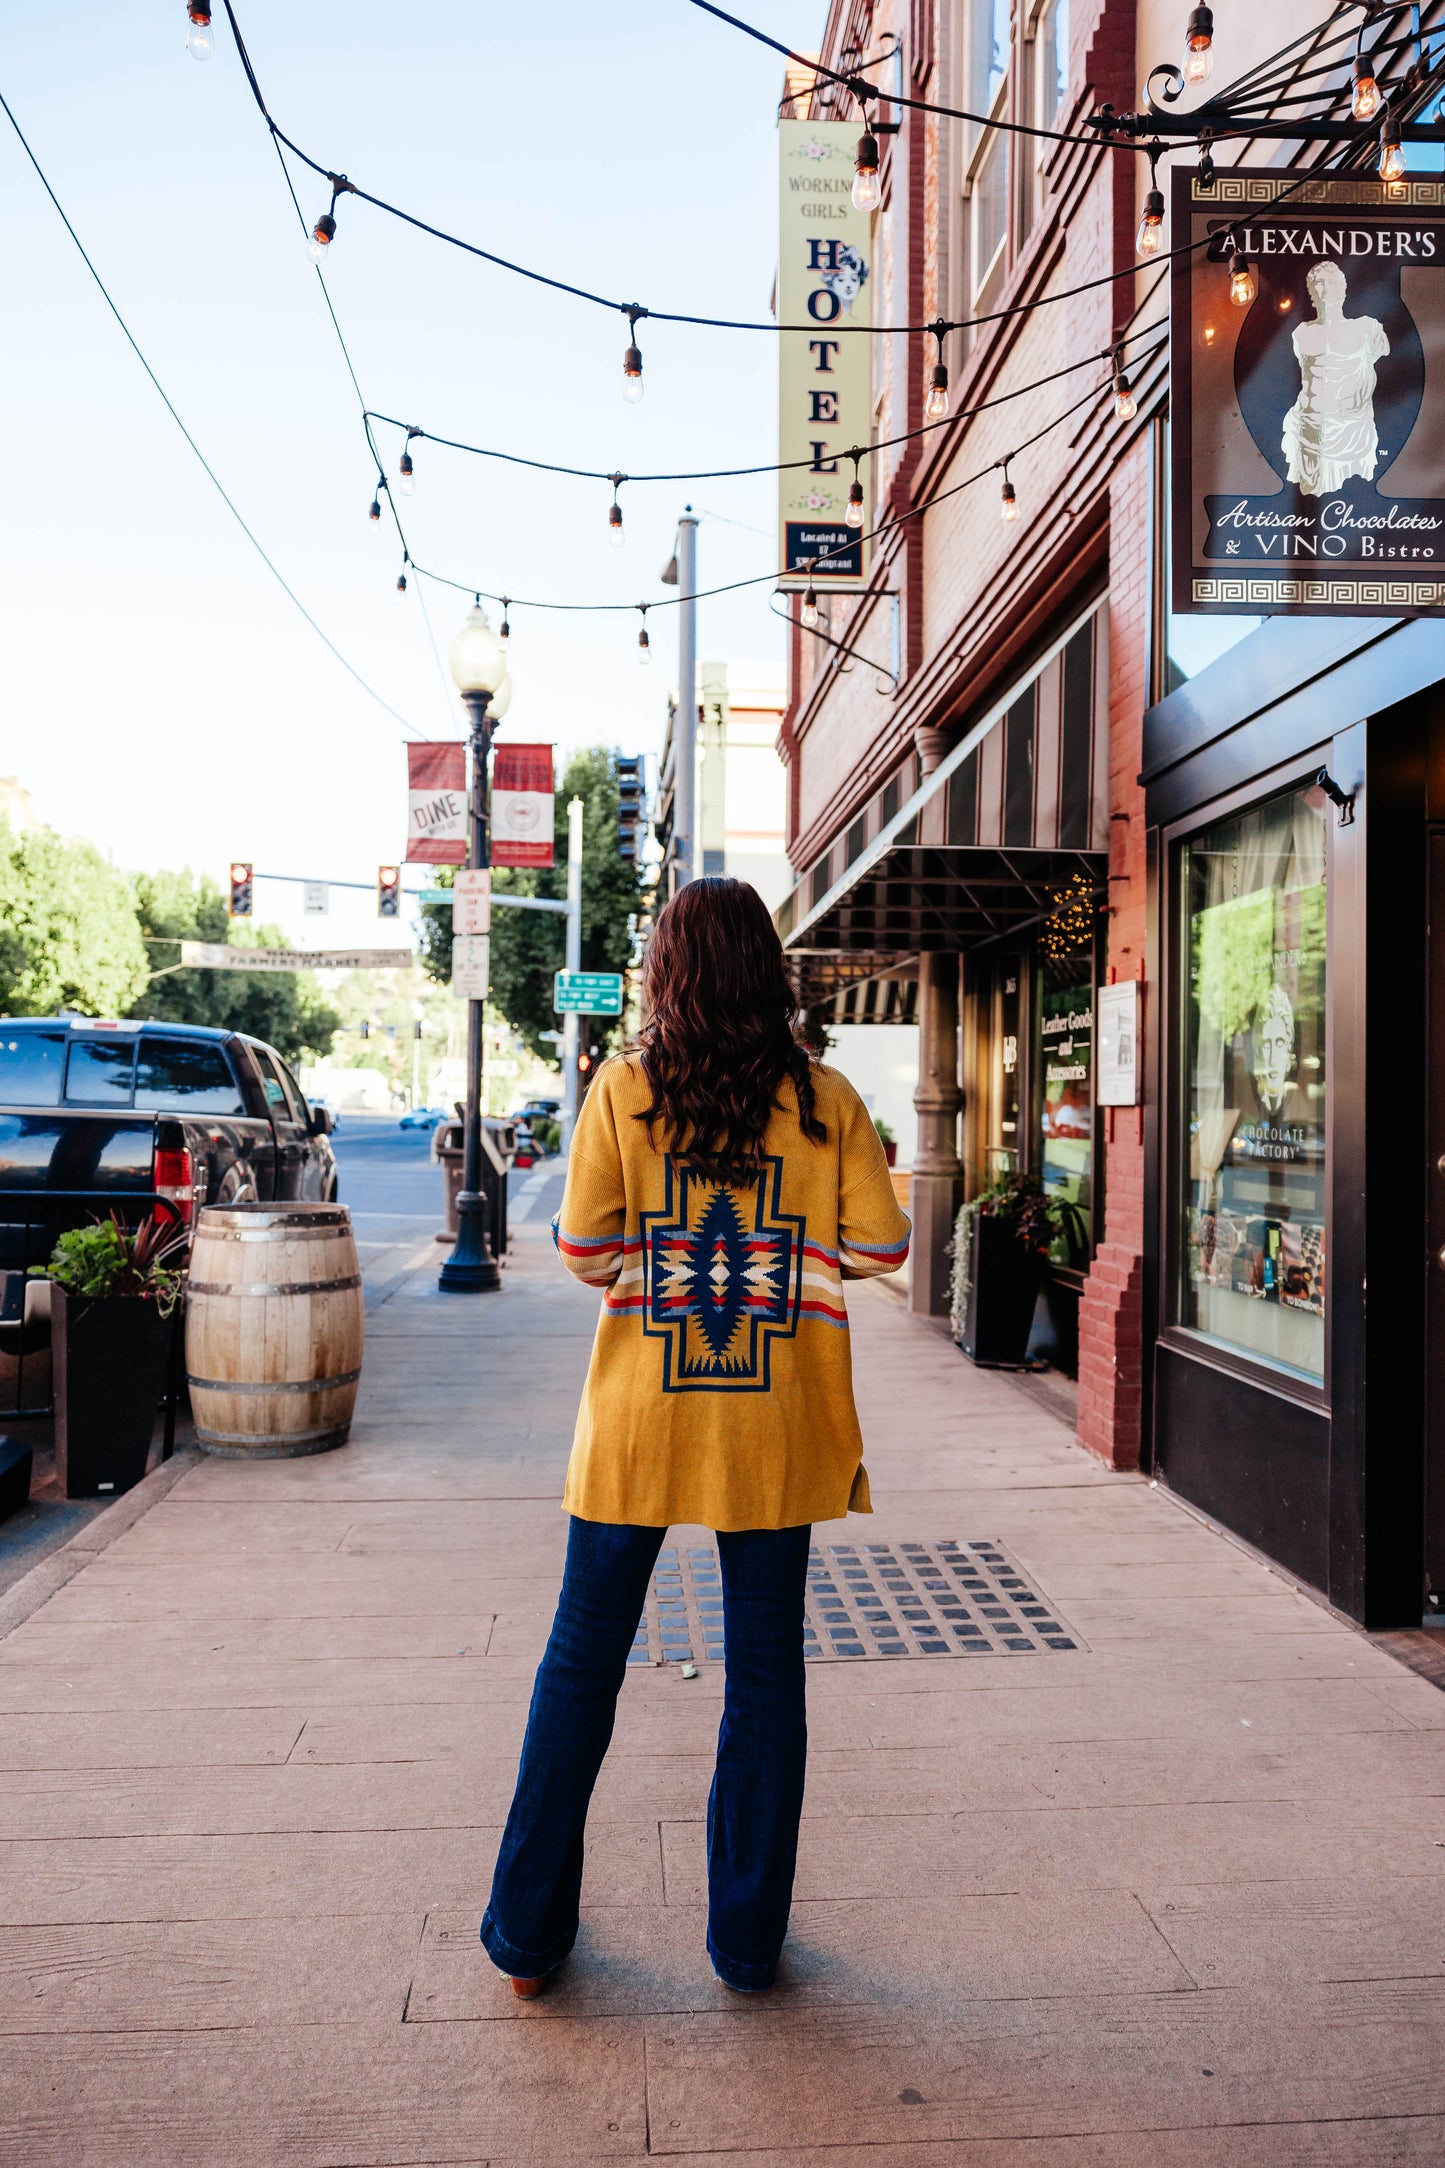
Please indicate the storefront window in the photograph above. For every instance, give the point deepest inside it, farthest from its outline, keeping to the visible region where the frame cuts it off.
(1253, 1264)
(1066, 1082)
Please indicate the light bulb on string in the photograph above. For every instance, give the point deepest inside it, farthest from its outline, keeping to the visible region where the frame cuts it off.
(323, 233)
(1126, 406)
(810, 611)
(1366, 101)
(373, 510)
(200, 36)
(615, 534)
(853, 513)
(632, 386)
(644, 645)
(1008, 507)
(1242, 287)
(1392, 150)
(935, 406)
(405, 471)
(1199, 46)
(1150, 237)
(867, 194)
(1205, 173)
(401, 587)
(504, 630)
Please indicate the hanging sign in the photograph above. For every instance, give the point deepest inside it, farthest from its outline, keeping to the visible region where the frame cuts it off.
(436, 805)
(216, 956)
(1308, 414)
(471, 900)
(825, 368)
(522, 805)
(471, 966)
(315, 899)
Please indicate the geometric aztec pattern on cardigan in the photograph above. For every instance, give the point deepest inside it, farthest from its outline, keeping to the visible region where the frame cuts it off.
(722, 1279)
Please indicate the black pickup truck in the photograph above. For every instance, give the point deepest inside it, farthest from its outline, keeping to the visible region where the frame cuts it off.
(104, 1111)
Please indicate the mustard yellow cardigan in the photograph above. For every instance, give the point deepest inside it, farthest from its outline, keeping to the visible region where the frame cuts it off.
(720, 1389)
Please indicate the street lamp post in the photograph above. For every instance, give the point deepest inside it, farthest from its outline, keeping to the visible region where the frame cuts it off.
(479, 666)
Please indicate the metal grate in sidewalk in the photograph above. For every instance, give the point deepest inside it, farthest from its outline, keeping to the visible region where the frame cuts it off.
(865, 1600)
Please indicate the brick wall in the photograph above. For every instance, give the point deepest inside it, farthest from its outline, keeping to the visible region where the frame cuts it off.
(1111, 1312)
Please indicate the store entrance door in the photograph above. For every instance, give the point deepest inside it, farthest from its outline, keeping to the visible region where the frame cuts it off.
(1435, 1229)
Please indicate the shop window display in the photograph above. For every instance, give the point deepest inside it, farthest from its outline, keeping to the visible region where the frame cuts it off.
(1253, 1264)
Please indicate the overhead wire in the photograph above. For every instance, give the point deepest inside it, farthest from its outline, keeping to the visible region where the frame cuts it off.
(216, 483)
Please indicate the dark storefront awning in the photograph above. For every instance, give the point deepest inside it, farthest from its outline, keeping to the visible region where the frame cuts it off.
(1012, 822)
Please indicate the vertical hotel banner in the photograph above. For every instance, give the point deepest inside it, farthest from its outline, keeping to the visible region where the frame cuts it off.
(522, 805)
(1309, 422)
(825, 366)
(436, 804)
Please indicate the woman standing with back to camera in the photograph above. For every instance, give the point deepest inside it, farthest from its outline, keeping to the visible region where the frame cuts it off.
(720, 1188)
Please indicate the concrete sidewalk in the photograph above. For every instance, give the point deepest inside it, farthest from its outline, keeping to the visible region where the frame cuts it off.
(1175, 1895)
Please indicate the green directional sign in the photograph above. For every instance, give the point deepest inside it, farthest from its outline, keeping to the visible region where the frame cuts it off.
(588, 993)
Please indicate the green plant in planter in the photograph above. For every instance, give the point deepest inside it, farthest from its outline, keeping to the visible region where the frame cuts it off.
(885, 1134)
(1037, 1220)
(109, 1259)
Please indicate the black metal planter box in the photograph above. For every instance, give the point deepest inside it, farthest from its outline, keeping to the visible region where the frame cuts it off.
(110, 1362)
(1003, 1285)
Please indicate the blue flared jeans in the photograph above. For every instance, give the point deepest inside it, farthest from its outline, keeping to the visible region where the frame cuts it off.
(757, 1789)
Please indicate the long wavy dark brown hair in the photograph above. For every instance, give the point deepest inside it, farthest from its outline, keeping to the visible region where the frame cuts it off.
(721, 1031)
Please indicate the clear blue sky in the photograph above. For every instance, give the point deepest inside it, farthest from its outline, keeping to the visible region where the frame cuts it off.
(159, 692)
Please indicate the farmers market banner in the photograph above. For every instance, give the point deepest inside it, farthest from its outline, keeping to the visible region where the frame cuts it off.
(1308, 416)
(522, 805)
(436, 803)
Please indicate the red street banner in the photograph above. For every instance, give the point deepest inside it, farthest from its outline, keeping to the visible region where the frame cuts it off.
(522, 805)
(436, 807)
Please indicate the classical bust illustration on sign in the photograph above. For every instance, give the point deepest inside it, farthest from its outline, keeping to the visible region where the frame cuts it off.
(1274, 1035)
(1329, 432)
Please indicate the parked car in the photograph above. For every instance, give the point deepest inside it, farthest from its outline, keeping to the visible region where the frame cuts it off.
(426, 1117)
(99, 1116)
(538, 1110)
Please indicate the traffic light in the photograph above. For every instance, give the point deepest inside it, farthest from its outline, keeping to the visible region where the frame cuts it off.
(388, 891)
(240, 890)
(629, 804)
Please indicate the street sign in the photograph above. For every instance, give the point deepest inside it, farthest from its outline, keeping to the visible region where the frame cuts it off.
(315, 899)
(472, 900)
(588, 993)
(471, 966)
(216, 956)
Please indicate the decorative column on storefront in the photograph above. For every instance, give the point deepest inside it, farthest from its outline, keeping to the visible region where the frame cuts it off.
(937, 1169)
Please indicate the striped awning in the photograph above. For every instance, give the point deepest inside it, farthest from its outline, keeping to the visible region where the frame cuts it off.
(1014, 818)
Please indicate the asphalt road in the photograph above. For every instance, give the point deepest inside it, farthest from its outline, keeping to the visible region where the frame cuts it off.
(393, 1189)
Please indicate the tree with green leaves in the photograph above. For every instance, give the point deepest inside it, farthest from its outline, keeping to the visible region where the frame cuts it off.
(69, 938)
(285, 1008)
(529, 947)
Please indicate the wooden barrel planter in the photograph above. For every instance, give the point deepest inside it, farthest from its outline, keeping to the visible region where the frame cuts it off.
(274, 1329)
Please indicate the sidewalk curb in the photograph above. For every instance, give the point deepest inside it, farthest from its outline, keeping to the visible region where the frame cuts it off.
(36, 1588)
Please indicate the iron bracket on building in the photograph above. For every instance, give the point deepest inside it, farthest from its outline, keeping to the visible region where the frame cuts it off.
(786, 617)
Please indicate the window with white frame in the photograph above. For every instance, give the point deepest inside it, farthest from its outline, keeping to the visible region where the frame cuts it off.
(1045, 82)
(987, 181)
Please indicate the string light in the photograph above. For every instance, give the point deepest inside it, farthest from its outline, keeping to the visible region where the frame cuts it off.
(323, 233)
(1069, 926)
(867, 194)
(1150, 237)
(810, 611)
(1008, 499)
(644, 645)
(504, 630)
(1392, 152)
(1242, 288)
(1199, 46)
(1366, 101)
(373, 510)
(1126, 406)
(632, 360)
(854, 497)
(1205, 172)
(935, 406)
(401, 585)
(200, 37)
(615, 534)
